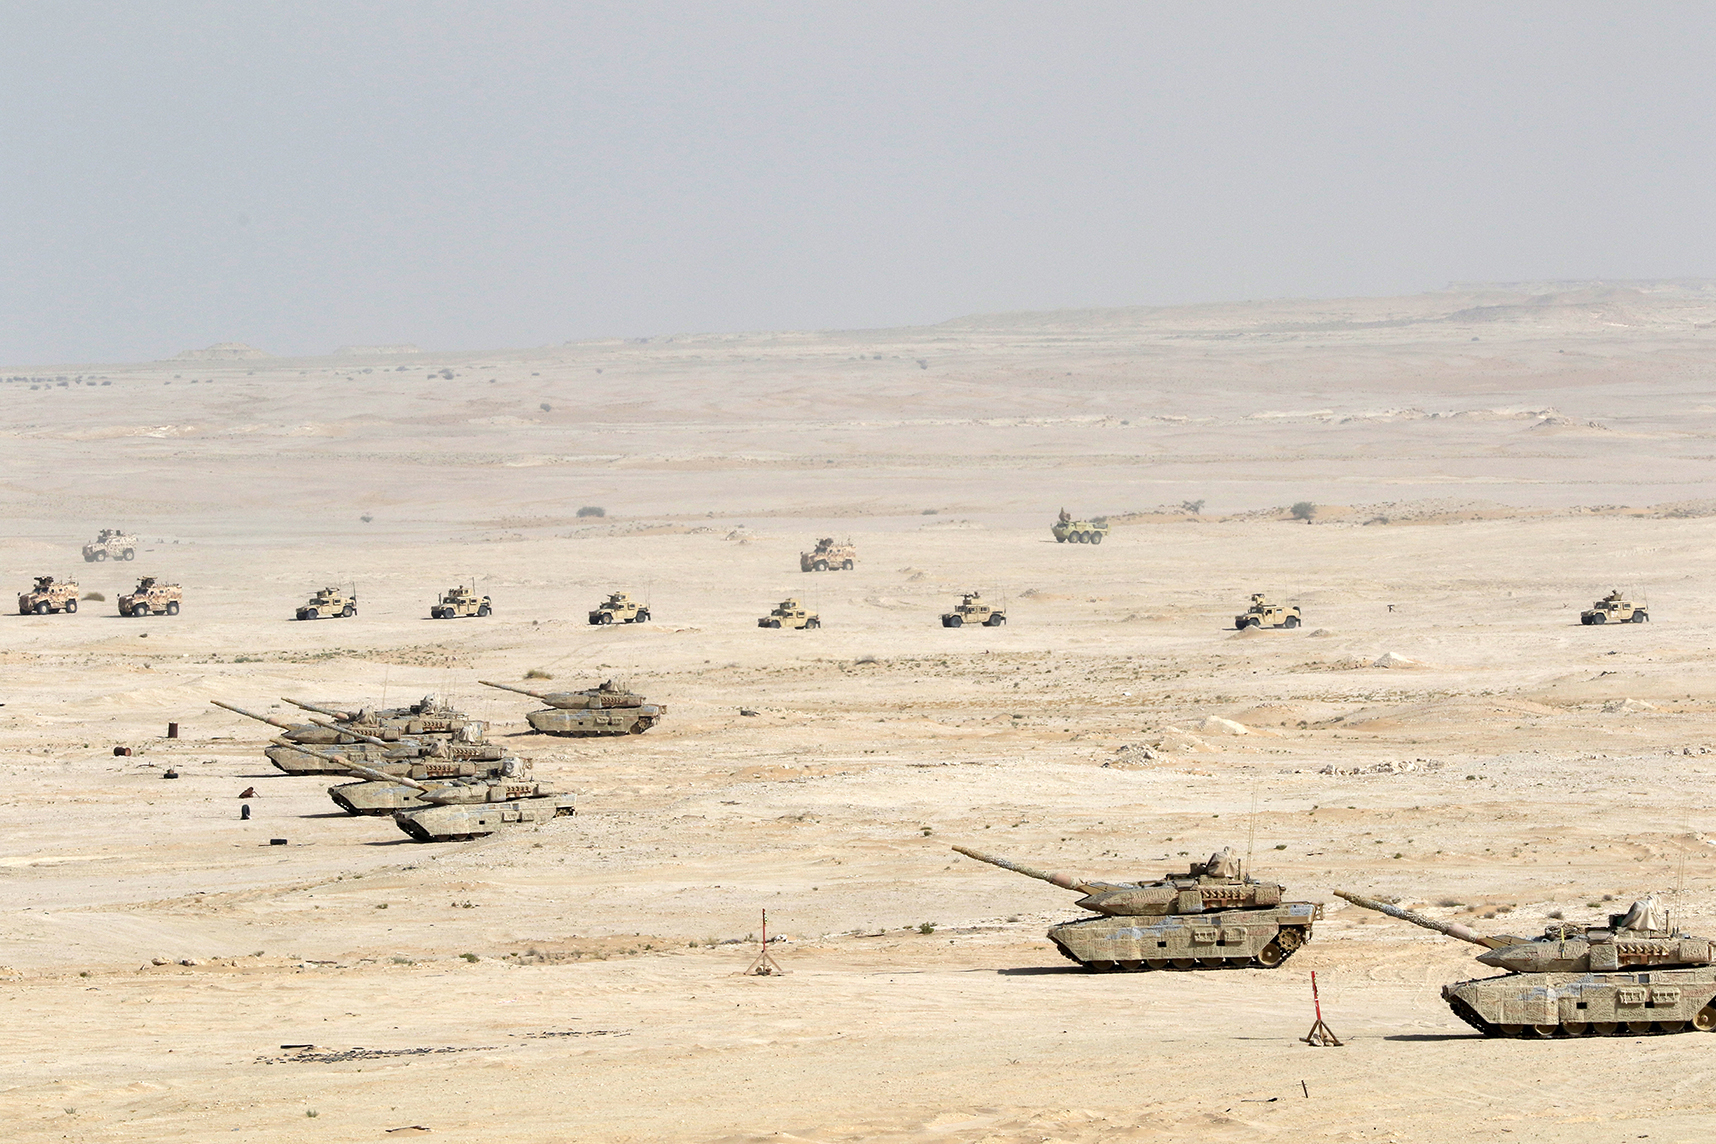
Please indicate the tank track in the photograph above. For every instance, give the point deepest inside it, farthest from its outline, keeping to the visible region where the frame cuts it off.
(1583, 1029)
(1288, 949)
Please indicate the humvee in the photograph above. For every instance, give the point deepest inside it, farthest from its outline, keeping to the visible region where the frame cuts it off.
(1263, 614)
(827, 554)
(972, 609)
(619, 607)
(110, 543)
(1079, 531)
(789, 613)
(151, 599)
(460, 601)
(1612, 609)
(49, 595)
(331, 602)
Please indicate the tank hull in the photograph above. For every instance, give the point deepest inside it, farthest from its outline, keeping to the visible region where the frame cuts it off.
(1587, 1004)
(1226, 939)
(463, 823)
(587, 723)
(374, 798)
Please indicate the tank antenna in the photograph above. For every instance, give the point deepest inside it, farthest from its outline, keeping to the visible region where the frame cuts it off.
(1251, 840)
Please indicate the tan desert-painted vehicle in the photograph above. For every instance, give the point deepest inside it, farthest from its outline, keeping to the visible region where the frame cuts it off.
(48, 595)
(1612, 609)
(1263, 614)
(151, 599)
(827, 555)
(610, 709)
(460, 601)
(789, 613)
(329, 602)
(973, 609)
(620, 608)
(111, 544)
(1079, 531)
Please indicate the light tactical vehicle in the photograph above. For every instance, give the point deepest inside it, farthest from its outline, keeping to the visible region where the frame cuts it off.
(48, 595)
(828, 555)
(1263, 614)
(789, 613)
(619, 608)
(1212, 917)
(1613, 609)
(458, 810)
(611, 709)
(1638, 974)
(111, 544)
(973, 609)
(460, 601)
(151, 599)
(330, 602)
(1079, 531)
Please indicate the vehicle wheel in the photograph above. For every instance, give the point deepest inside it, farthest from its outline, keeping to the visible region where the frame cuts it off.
(1705, 1019)
(42, 608)
(1254, 622)
(643, 616)
(1060, 540)
(954, 621)
(1291, 622)
(71, 605)
(813, 623)
(172, 607)
(89, 557)
(1638, 1026)
(1599, 618)
(1586, 620)
(607, 617)
(1545, 1030)
(482, 609)
(1575, 1028)
(995, 620)
(129, 554)
(347, 612)
(1096, 538)
(311, 614)
(774, 624)
(1639, 617)
(102, 555)
(847, 567)
(1185, 962)
(1671, 1026)
(819, 566)
(1270, 956)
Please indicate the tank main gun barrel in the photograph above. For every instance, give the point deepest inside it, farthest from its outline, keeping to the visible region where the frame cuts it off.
(520, 690)
(360, 770)
(269, 719)
(332, 713)
(1064, 881)
(363, 738)
(1451, 929)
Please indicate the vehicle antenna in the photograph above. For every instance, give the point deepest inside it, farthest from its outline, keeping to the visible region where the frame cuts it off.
(1251, 841)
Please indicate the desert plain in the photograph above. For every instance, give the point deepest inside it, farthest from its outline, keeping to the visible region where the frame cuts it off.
(1486, 461)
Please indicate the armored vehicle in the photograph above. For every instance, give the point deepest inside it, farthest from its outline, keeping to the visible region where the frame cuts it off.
(458, 810)
(620, 608)
(1079, 531)
(329, 602)
(426, 717)
(1213, 916)
(1612, 609)
(611, 709)
(460, 601)
(375, 796)
(151, 599)
(1263, 614)
(828, 555)
(386, 748)
(1637, 974)
(973, 609)
(789, 613)
(48, 595)
(111, 544)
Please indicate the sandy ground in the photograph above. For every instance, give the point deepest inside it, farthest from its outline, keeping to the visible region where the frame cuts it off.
(584, 980)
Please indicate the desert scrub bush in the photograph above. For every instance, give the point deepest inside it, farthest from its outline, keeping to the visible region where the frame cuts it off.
(592, 510)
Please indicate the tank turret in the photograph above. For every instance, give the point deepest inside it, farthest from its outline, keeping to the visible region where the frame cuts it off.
(609, 694)
(1211, 916)
(610, 709)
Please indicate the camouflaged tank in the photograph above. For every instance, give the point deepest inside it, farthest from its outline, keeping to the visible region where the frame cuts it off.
(1638, 974)
(611, 709)
(436, 759)
(458, 810)
(1211, 917)
(404, 734)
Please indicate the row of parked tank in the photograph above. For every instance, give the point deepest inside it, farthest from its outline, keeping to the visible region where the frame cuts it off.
(433, 768)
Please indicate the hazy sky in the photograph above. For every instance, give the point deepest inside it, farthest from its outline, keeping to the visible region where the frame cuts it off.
(465, 176)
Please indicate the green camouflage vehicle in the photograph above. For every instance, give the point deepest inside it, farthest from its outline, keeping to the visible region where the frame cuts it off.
(1079, 531)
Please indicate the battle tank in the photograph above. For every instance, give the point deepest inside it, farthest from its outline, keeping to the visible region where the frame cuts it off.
(1213, 916)
(387, 748)
(611, 709)
(384, 795)
(458, 810)
(1635, 975)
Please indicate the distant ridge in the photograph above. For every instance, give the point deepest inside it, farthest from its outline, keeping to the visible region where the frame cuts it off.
(375, 351)
(223, 351)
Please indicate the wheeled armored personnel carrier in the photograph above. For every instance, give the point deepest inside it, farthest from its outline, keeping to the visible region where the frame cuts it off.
(973, 609)
(458, 810)
(1637, 974)
(329, 602)
(1213, 916)
(610, 709)
(394, 739)
(1079, 531)
(1614, 609)
(460, 601)
(48, 595)
(151, 599)
(789, 613)
(1264, 614)
(829, 556)
(619, 608)
(111, 544)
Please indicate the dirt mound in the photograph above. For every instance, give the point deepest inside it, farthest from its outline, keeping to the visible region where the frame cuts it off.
(1442, 713)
